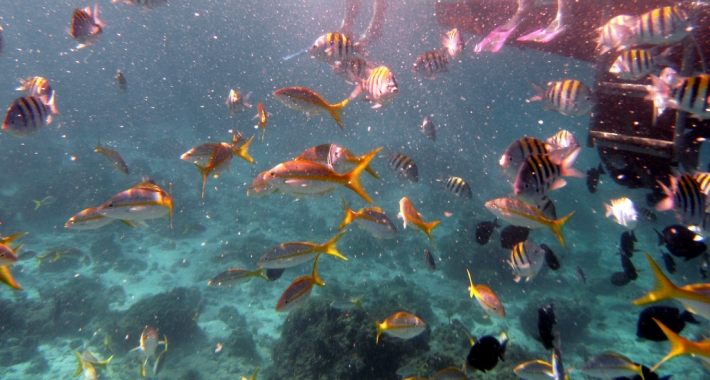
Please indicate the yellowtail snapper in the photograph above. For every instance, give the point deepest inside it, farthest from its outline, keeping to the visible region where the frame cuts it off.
(263, 117)
(299, 290)
(609, 365)
(534, 370)
(288, 255)
(400, 325)
(335, 156)
(236, 276)
(47, 201)
(681, 346)
(240, 147)
(486, 298)
(347, 303)
(519, 213)
(144, 201)
(569, 97)
(113, 157)
(90, 219)
(9, 258)
(371, 219)
(410, 216)
(148, 344)
(309, 102)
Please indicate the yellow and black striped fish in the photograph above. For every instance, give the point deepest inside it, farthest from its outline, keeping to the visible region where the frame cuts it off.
(380, 87)
(703, 179)
(685, 197)
(518, 151)
(121, 82)
(404, 167)
(36, 86)
(561, 140)
(661, 26)
(637, 63)
(458, 187)
(690, 94)
(539, 175)
(526, 260)
(353, 67)
(615, 33)
(333, 47)
(27, 115)
(569, 97)
(430, 64)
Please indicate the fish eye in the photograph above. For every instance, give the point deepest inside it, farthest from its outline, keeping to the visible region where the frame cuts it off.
(527, 186)
(111, 205)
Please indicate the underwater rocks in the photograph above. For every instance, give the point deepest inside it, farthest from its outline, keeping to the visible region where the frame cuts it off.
(105, 249)
(170, 313)
(70, 307)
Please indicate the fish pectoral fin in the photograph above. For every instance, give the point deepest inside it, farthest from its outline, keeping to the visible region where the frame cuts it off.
(558, 184)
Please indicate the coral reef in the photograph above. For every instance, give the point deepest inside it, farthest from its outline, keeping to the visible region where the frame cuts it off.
(105, 250)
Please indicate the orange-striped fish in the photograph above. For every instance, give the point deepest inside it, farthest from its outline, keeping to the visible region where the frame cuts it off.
(220, 157)
(300, 289)
(486, 298)
(8, 258)
(90, 219)
(86, 26)
(335, 156)
(380, 87)
(263, 117)
(235, 276)
(371, 219)
(27, 115)
(410, 216)
(308, 101)
(519, 213)
(289, 255)
(236, 102)
(260, 187)
(148, 344)
(113, 157)
(310, 179)
(144, 201)
(240, 147)
(401, 325)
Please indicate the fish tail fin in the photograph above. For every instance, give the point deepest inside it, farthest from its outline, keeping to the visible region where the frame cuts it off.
(567, 162)
(428, 227)
(317, 280)
(25, 85)
(353, 178)
(243, 151)
(661, 238)
(7, 278)
(348, 214)
(664, 288)
(368, 168)
(557, 225)
(97, 20)
(103, 363)
(539, 93)
(358, 303)
(679, 345)
(336, 110)
(7, 240)
(331, 247)
(666, 203)
(205, 173)
(659, 92)
(143, 363)
(37, 204)
(80, 366)
(380, 330)
(99, 147)
(51, 105)
(472, 288)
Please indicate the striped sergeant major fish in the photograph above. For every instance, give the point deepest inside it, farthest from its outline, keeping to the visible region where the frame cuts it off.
(569, 97)
(561, 140)
(690, 94)
(147, 4)
(458, 187)
(236, 102)
(404, 167)
(333, 47)
(703, 179)
(518, 151)
(539, 175)
(526, 259)
(637, 63)
(615, 33)
(37, 86)
(661, 26)
(429, 64)
(27, 115)
(356, 67)
(380, 87)
(685, 197)
(86, 26)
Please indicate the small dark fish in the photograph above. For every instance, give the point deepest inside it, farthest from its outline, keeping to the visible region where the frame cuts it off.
(647, 375)
(670, 263)
(593, 178)
(273, 274)
(671, 317)
(627, 243)
(648, 214)
(545, 322)
(429, 129)
(458, 187)
(681, 242)
(512, 235)
(484, 230)
(550, 257)
(703, 267)
(628, 266)
(429, 261)
(620, 279)
(581, 275)
(121, 82)
(484, 354)
(404, 167)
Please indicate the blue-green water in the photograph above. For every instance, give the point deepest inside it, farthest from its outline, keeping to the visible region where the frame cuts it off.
(180, 61)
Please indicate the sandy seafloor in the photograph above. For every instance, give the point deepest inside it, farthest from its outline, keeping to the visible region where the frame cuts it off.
(181, 62)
